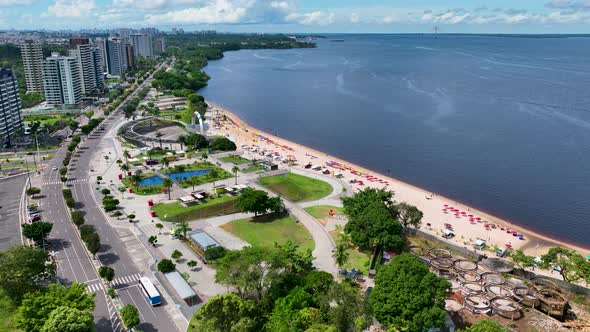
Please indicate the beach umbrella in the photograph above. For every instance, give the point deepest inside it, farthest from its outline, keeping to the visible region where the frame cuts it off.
(471, 215)
(508, 245)
(463, 213)
(478, 218)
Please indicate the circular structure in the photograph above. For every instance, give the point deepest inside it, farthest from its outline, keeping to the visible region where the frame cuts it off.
(417, 251)
(455, 286)
(439, 253)
(477, 304)
(441, 263)
(471, 288)
(542, 283)
(506, 307)
(498, 290)
(526, 296)
(553, 303)
(498, 265)
(469, 276)
(492, 278)
(465, 265)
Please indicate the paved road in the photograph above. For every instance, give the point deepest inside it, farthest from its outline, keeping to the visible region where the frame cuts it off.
(115, 249)
(10, 194)
(73, 262)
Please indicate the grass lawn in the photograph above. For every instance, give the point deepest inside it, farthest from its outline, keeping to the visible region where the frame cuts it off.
(236, 160)
(143, 190)
(356, 259)
(212, 207)
(323, 211)
(268, 229)
(7, 311)
(49, 119)
(255, 168)
(296, 187)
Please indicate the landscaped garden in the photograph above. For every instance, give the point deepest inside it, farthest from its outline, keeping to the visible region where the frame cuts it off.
(7, 311)
(217, 206)
(185, 176)
(144, 184)
(357, 259)
(297, 188)
(265, 230)
(237, 160)
(253, 168)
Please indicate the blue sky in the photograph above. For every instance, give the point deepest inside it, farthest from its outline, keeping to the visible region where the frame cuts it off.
(382, 16)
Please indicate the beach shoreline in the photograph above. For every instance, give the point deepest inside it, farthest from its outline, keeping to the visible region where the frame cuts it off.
(535, 242)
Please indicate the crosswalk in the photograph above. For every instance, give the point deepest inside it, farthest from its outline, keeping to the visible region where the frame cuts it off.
(45, 183)
(121, 281)
(148, 229)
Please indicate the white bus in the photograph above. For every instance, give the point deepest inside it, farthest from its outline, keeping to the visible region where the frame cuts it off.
(150, 291)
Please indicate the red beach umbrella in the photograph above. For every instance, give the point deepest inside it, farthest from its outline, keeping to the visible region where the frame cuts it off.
(478, 218)
(463, 213)
(508, 245)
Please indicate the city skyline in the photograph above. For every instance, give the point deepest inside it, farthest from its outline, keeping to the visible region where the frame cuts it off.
(374, 16)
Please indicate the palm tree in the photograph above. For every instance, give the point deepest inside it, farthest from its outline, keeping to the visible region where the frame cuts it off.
(341, 255)
(159, 137)
(193, 181)
(183, 228)
(165, 161)
(235, 169)
(168, 184)
(127, 155)
(135, 179)
(125, 169)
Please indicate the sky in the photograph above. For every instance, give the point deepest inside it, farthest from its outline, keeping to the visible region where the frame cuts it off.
(304, 16)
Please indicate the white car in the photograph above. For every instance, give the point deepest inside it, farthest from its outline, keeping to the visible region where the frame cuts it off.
(54, 168)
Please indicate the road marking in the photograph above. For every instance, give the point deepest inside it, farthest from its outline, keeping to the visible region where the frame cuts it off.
(125, 280)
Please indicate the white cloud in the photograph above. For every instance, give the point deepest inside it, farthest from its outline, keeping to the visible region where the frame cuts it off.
(226, 12)
(569, 4)
(314, 18)
(354, 18)
(71, 8)
(6, 3)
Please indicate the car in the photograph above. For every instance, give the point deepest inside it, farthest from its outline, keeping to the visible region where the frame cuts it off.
(54, 168)
(35, 218)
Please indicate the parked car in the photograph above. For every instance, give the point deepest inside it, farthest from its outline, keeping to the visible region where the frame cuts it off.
(35, 218)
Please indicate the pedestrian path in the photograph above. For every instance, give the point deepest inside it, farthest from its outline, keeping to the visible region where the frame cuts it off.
(148, 229)
(45, 183)
(121, 281)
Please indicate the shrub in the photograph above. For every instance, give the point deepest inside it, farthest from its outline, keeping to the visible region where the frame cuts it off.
(70, 202)
(63, 171)
(166, 265)
(213, 253)
(64, 178)
(86, 230)
(105, 192)
(77, 218)
(33, 191)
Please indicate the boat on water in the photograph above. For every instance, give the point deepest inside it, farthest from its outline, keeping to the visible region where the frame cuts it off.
(337, 40)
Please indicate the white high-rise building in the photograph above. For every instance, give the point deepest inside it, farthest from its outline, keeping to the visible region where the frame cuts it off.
(142, 45)
(32, 56)
(85, 55)
(62, 80)
(117, 58)
(10, 107)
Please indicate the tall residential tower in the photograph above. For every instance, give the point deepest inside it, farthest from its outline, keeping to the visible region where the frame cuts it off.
(32, 55)
(10, 107)
(62, 80)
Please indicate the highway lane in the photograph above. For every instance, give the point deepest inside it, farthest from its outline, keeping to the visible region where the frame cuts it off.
(73, 262)
(10, 194)
(113, 251)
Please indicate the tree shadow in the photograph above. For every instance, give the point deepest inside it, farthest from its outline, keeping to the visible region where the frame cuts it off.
(103, 325)
(269, 217)
(108, 258)
(60, 244)
(104, 247)
(146, 327)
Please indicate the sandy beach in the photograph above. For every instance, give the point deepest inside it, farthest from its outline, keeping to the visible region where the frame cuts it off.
(468, 223)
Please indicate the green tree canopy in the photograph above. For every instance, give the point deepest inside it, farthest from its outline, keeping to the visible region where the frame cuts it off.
(407, 296)
(24, 270)
(257, 202)
(227, 312)
(66, 319)
(294, 312)
(166, 265)
(222, 144)
(572, 265)
(345, 308)
(521, 260)
(251, 270)
(130, 316)
(37, 231)
(106, 272)
(37, 307)
(375, 226)
(409, 215)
